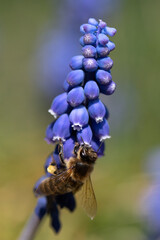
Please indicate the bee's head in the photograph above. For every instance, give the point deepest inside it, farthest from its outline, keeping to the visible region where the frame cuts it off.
(87, 154)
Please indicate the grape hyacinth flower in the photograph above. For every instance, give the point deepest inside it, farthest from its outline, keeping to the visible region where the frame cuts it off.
(79, 114)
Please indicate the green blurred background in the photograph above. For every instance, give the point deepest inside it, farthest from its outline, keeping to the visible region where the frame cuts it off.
(119, 180)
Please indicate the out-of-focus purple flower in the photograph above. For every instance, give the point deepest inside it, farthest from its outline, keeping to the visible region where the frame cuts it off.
(59, 105)
(61, 128)
(75, 77)
(91, 90)
(108, 89)
(41, 207)
(96, 110)
(85, 135)
(103, 77)
(100, 130)
(76, 96)
(79, 117)
(76, 62)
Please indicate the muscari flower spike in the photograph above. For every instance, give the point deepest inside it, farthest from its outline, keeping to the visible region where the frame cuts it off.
(81, 116)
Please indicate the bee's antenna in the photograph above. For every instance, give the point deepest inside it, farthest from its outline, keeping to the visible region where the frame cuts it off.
(82, 140)
(99, 147)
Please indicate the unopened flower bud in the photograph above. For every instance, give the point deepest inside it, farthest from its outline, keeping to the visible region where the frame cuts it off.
(90, 64)
(91, 90)
(111, 46)
(102, 51)
(96, 110)
(105, 63)
(89, 39)
(75, 77)
(102, 24)
(108, 89)
(89, 51)
(103, 77)
(76, 62)
(110, 31)
(76, 96)
(87, 28)
(92, 21)
(103, 39)
(79, 117)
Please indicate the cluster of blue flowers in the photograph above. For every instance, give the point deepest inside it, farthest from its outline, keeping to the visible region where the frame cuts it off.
(80, 114)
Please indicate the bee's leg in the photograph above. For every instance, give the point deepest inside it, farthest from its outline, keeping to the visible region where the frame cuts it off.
(76, 147)
(61, 155)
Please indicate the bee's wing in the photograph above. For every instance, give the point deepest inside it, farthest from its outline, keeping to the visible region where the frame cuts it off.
(87, 198)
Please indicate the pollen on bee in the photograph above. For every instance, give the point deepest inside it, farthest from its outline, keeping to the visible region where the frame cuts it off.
(51, 169)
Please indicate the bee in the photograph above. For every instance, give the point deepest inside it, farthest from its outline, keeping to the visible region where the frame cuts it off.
(73, 176)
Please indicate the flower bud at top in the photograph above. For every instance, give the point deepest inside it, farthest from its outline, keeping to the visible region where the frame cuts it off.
(79, 117)
(95, 143)
(89, 51)
(105, 63)
(103, 39)
(75, 77)
(76, 96)
(59, 105)
(108, 89)
(102, 51)
(100, 130)
(76, 62)
(91, 90)
(89, 39)
(87, 28)
(111, 46)
(90, 64)
(96, 110)
(103, 77)
(110, 31)
(49, 133)
(85, 135)
(61, 128)
(92, 21)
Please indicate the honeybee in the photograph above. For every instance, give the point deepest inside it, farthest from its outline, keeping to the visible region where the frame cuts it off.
(73, 176)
